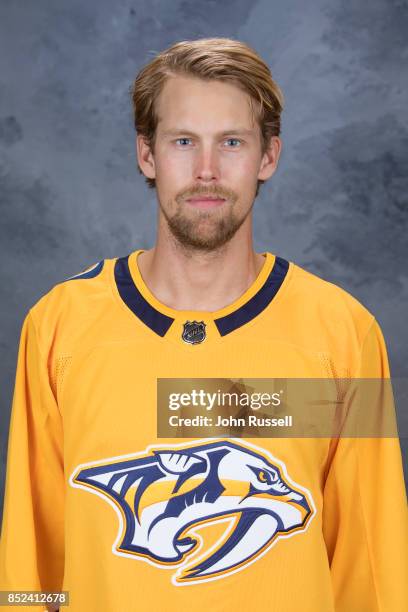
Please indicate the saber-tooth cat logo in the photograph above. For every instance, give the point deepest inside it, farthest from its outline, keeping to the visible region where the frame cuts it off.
(205, 509)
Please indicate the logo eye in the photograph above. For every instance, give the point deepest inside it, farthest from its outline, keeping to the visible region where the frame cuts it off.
(268, 477)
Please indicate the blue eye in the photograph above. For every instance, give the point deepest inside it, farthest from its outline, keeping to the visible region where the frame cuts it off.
(228, 140)
(182, 139)
(236, 140)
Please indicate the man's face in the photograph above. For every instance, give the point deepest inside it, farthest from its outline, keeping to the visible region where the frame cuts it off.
(207, 145)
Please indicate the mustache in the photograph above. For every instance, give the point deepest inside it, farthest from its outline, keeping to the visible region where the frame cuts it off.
(207, 193)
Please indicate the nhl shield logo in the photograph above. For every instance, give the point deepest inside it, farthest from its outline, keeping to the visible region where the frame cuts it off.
(193, 332)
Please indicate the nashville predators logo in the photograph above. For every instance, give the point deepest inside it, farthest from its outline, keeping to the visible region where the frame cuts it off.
(205, 509)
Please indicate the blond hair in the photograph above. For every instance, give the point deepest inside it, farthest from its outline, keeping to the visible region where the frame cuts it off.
(223, 59)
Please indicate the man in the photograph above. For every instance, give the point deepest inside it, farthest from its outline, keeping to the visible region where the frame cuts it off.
(98, 503)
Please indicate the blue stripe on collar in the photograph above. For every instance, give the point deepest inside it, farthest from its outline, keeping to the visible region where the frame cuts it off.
(130, 294)
(160, 323)
(258, 302)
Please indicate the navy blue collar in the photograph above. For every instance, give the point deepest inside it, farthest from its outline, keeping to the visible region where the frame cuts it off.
(160, 323)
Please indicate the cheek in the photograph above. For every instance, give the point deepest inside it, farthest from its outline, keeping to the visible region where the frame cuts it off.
(242, 176)
(172, 169)
(241, 167)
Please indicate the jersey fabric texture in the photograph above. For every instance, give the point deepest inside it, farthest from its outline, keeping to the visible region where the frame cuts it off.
(96, 504)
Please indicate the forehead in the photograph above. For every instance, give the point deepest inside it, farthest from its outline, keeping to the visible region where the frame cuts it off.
(203, 105)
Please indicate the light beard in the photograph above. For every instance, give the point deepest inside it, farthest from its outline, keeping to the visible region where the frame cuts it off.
(205, 230)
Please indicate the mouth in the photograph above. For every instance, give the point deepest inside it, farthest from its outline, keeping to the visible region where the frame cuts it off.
(205, 202)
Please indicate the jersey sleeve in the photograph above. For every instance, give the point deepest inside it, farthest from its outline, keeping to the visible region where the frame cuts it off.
(365, 518)
(32, 536)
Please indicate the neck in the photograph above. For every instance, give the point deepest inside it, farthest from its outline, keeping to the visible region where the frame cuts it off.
(194, 280)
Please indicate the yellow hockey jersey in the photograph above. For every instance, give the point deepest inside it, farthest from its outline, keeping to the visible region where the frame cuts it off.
(98, 505)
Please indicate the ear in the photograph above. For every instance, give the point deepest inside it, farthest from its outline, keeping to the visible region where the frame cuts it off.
(145, 157)
(270, 159)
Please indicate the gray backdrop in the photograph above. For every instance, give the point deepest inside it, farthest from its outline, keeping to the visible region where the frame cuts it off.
(70, 193)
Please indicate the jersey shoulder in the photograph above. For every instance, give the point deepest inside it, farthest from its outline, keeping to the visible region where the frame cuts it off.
(330, 317)
(329, 299)
(71, 304)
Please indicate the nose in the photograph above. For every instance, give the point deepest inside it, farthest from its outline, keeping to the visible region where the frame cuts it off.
(207, 163)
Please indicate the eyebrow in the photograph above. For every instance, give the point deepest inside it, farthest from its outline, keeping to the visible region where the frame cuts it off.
(177, 131)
